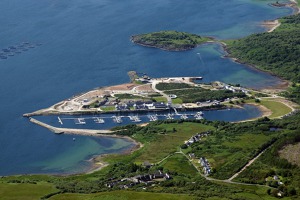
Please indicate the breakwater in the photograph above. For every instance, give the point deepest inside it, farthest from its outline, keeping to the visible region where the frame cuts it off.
(58, 130)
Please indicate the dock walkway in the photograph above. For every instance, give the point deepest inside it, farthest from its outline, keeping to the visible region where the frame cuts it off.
(58, 130)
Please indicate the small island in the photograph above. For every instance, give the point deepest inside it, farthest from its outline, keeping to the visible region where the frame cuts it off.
(170, 40)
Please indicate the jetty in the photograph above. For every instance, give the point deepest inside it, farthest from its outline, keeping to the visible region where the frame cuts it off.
(58, 130)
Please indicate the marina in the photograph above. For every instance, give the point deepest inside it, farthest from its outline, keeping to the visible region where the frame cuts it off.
(127, 119)
(107, 121)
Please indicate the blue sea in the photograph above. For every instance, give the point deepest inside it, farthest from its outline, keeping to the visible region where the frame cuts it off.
(64, 47)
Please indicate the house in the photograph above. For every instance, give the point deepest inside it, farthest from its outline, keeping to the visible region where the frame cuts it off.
(160, 105)
(206, 166)
(146, 178)
(141, 105)
(122, 107)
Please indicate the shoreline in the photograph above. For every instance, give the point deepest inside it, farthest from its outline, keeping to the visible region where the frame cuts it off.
(96, 163)
(171, 50)
(212, 39)
(292, 4)
(273, 24)
(264, 111)
(97, 159)
(279, 87)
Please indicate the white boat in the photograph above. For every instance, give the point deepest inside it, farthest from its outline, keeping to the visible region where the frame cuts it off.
(199, 115)
(169, 116)
(80, 121)
(152, 118)
(184, 116)
(99, 120)
(136, 119)
(117, 119)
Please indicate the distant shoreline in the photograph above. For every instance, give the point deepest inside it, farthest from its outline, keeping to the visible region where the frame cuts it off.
(281, 86)
(271, 25)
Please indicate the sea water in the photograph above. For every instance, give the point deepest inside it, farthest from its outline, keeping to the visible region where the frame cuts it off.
(85, 44)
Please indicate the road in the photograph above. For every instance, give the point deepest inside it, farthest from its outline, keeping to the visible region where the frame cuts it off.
(227, 180)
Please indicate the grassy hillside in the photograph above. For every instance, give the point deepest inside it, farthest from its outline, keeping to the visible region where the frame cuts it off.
(227, 147)
(25, 191)
(277, 52)
(122, 195)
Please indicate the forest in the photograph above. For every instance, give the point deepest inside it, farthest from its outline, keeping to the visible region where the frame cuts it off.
(276, 52)
(169, 40)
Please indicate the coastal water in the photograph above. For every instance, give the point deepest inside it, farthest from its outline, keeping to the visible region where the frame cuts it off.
(85, 44)
(92, 121)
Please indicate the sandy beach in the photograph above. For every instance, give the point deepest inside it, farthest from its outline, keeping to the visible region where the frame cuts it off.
(265, 112)
(271, 25)
(98, 163)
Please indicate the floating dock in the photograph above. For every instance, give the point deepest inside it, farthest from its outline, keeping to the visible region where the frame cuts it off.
(169, 116)
(80, 121)
(133, 118)
(98, 120)
(60, 121)
(117, 119)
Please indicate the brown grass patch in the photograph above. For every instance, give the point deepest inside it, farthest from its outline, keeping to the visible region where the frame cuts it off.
(291, 152)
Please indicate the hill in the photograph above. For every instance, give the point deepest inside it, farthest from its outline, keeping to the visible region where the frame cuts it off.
(169, 40)
(276, 52)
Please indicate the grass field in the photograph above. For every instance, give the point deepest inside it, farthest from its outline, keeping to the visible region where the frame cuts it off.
(291, 152)
(255, 193)
(25, 191)
(122, 195)
(227, 152)
(127, 96)
(179, 164)
(247, 141)
(177, 101)
(164, 144)
(278, 109)
(161, 99)
(108, 108)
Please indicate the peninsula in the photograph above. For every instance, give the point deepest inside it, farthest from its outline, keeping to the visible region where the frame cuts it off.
(170, 40)
(154, 95)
